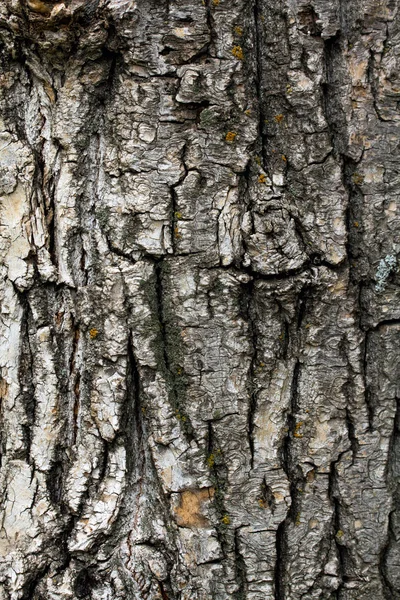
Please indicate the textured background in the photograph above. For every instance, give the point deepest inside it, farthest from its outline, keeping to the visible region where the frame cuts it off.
(200, 316)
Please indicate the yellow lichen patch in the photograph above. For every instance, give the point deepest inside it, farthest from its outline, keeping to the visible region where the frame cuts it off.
(211, 460)
(178, 215)
(339, 534)
(358, 179)
(226, 520)
(230, 136)
(247, 112)
(93, 333)
(189, 512)
(279, 118)
(298, 522)
(180, 417)
(356, 224)
(237, 52)
(262, 503)
(238, 30)
(262, 178)
(297, 428)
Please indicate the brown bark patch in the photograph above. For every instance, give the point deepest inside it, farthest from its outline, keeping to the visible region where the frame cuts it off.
(189, 512)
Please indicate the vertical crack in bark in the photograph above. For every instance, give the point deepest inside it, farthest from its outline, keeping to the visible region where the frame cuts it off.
(25, 375)
(76, 376)
(210, 48)
(218, 479)
(292, 471)
(393, 481)
(367, 394)
(247, 308)
(170, 342)
(240, 570)
(30, 588)
(280, 547)
(175, 234)
(259, 82)
(342, 553)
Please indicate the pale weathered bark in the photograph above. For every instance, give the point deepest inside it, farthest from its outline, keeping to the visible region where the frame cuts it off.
(200, 316)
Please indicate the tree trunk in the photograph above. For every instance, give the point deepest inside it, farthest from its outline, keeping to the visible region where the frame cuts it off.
(200, 318)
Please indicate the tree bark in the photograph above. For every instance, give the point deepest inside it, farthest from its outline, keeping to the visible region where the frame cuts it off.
(200, 317)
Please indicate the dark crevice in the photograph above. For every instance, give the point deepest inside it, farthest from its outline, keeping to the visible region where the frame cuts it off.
(281, 552)
(218, 476)
(292, 470)
(30, 589)
(169, 350)
(367, 392)
(210, 47)
(175, 215)
(390, 589)
(26, 375)
(259, 84)
(240, 570)
(345, 562)
(247, 309)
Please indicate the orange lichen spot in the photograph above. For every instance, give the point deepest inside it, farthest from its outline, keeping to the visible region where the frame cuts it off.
(262, 503)
(230, 136)
(297, 428)
(189, 512)
(237, 52)
(284, 158)
(279, 118)
(262, 178)
(215, 2)
(356, 224)
(238, 30)
(93, 333)
(226, 520)
(247, 112)
(176, 233)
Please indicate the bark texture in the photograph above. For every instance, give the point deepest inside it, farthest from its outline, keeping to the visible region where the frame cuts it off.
(200, 317)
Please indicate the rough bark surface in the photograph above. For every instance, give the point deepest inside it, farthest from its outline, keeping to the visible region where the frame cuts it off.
(200, 317)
